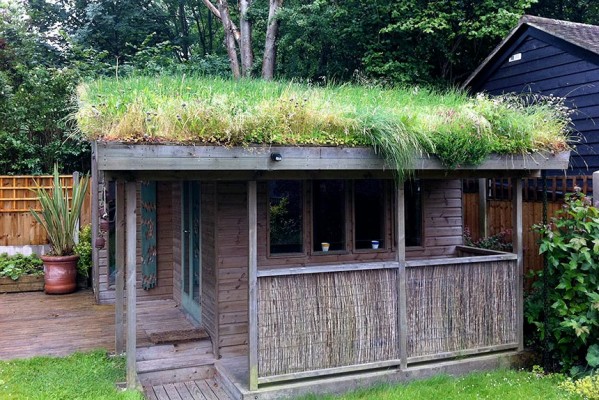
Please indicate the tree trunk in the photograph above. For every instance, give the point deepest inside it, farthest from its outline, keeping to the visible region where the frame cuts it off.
(245, 44)
(223, 8)
(270, 43)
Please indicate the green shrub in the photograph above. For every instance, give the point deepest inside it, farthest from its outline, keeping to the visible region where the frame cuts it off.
(500, 241)
(587, 387)
(84, 250)
(568, 322)
(18, 265)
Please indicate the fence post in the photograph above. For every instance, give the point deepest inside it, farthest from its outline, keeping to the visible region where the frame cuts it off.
(596, 188)
(482, 208)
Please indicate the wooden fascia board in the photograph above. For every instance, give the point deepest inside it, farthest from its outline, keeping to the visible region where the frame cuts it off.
(123, 157)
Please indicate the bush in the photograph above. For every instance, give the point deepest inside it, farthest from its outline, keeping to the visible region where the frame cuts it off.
(18, 265)
(587, 387)
(564, 304)
(84, 250)
(500, 241)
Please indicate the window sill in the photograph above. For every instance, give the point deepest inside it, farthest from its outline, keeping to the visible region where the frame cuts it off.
(330, 252)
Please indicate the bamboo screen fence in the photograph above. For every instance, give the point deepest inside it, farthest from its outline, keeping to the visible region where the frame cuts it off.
(325, 320)
(458, 307)
(17, 225)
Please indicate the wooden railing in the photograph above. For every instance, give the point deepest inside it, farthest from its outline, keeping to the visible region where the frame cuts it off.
(460, 306)
(320, 320)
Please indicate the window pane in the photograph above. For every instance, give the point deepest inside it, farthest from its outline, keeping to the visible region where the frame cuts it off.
(329, 214)
(413, 213)
(369, 203)
(286, 216)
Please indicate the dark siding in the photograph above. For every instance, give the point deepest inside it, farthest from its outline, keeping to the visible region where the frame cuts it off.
(552, 69)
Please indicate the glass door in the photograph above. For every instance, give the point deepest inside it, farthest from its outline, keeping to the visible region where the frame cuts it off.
(191, 257)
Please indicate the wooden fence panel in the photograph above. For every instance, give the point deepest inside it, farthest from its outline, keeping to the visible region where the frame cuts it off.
(17, 225)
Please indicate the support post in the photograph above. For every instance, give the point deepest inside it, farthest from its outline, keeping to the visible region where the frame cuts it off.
(482, 208)
(131, 191)
(95, 200)
(518, 250)
(402, 304)
(596, 188)
(119, 250)
(253, 284)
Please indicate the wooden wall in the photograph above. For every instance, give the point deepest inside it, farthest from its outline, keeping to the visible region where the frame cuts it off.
(232, 268)
(210, 286)
(442, 219)
(165, 252)
(553, 67)
(176, 221)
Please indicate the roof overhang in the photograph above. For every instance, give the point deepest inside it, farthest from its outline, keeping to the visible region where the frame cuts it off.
(148, 159)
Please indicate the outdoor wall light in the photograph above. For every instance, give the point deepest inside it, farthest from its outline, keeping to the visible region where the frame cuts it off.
(276, 156)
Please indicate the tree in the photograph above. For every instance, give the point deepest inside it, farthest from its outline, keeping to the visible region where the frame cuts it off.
(238, 41)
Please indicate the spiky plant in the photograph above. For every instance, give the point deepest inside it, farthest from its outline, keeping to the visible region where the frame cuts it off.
(60, 213)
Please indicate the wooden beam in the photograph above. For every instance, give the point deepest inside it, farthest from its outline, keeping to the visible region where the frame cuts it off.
(119, 263)
(482, 208)
(518, 250)
(131, 257)
(402, 304)
(252, 201)
(95, 223)
(319, 269)
(129, 157)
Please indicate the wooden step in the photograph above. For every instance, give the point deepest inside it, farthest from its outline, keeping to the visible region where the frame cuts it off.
(176, 375)
(207, 389)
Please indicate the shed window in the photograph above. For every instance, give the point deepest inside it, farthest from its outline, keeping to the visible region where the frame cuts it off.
(328, 215)
(413, 213)
(369, 214)
(285, 210)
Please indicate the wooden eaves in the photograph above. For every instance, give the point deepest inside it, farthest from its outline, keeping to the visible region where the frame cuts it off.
(159, 161)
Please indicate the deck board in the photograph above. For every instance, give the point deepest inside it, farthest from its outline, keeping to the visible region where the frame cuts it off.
(206, 389)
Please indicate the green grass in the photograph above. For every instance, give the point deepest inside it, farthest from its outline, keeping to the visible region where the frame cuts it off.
(501, 385)
(399, 122)
(80, 376)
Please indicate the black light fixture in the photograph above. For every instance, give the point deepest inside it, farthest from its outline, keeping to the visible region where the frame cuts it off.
(276, 157)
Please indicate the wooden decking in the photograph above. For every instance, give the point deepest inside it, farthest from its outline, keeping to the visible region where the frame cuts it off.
(207, 389)
(36, 324)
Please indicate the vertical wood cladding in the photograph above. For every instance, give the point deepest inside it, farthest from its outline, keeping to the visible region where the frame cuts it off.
(553, 68)
(232, 267)
(209, 292)
(176, 244)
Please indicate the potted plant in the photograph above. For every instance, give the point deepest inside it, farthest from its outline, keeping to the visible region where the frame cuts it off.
(59, 215)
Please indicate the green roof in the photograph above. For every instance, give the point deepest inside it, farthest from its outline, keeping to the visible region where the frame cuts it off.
(400, 122)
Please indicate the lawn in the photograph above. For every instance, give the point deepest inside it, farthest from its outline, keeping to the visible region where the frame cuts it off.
(79, 376)
(502, 384)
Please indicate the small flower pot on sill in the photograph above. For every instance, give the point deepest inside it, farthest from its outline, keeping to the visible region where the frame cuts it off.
(325, 246)
(375, 244)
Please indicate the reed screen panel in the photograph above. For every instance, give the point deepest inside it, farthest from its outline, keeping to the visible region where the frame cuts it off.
(461, 307)
(311, 322)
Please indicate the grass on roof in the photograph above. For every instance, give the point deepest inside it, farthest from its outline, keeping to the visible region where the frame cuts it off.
(401, 123)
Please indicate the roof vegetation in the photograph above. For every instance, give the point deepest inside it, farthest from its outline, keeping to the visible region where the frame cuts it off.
(401, 123)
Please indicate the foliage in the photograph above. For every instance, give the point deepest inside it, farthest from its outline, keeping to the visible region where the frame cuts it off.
(401, 123)
(18, 265)
(284, 229)
(570, 325)
(84, 250)
(501, 241)
(89, 375)
(35, 97)
(60, 213)
(500, 384)
(586, 387)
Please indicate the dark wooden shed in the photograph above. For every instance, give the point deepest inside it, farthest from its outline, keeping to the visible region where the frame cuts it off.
(554, 58)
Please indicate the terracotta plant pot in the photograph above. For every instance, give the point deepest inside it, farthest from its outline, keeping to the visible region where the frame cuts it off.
(60, 274)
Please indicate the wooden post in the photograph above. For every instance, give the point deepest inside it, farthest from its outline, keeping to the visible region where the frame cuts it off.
(131, 232)
(78, 223)
(402, 304)
(518, 250)
(95, 222)
(482, 208)
(596, 188)
(252, 284)
(119, 268)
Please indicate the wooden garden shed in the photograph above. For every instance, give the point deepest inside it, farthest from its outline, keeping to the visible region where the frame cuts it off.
(552, 58)
(311, 268)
